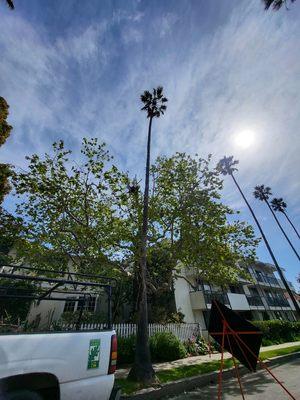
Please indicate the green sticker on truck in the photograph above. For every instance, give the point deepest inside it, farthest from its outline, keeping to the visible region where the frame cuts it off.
(94, 354)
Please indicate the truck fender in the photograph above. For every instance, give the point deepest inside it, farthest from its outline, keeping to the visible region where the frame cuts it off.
(43, 383)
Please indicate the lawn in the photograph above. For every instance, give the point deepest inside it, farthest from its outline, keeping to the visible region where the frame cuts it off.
(187, 371)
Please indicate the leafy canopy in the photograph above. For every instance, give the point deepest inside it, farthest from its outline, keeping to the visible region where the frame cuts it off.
(186, 210)
(5, 130)
(86, 214)
(69, 208)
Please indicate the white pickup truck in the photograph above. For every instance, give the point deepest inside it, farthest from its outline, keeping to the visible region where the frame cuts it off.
(71, 365)
(66, 366)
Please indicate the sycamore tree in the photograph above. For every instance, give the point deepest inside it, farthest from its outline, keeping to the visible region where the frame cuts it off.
(188, 220)
(9, 225)
(5, 130)
(186, 210)
(90, 213)
(69, 209)
(187, 217)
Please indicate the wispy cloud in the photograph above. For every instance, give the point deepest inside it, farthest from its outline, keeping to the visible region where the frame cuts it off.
(243, 74)
(225, 68)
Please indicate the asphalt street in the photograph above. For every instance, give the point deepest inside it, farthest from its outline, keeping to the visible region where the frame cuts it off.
(259, 385)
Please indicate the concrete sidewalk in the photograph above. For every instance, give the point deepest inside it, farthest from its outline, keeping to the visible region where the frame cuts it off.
(123, 372)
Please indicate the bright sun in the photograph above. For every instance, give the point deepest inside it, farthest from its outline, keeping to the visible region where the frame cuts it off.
(244, 139)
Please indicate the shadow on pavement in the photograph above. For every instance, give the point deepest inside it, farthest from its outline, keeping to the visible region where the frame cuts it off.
(259, 385)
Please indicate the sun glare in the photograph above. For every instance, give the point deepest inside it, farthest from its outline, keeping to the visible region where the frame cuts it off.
(244, 139)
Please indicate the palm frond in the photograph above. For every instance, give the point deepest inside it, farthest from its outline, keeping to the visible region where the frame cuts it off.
(226, 166)
(276, 4)
(278, 204)
(262, 193)
(153, 102)
(159, 91)
(10, 4)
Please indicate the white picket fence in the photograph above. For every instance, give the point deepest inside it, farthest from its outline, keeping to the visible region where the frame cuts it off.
(182, 331)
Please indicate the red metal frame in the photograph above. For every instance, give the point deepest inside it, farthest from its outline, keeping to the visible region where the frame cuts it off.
(228, 331)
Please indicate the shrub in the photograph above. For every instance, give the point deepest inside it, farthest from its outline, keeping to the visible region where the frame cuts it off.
(196, 346)
(276, 331)
(165, 346)
(191, 347)
(202, 345)
(214, 345)
(126, 348)
(14, 307)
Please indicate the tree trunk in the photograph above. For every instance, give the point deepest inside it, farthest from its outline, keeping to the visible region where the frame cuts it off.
(282, 230)
(142, 370)
(296, 305)
(293, 226)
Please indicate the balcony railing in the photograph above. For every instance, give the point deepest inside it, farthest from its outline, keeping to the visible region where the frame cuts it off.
(221, 297)
(270, 280)
(255, 301)
(277, 302)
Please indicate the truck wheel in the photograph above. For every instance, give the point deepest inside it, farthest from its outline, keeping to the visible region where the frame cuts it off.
(23, 395)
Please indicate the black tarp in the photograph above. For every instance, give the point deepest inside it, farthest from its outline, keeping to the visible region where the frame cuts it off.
(246, 350)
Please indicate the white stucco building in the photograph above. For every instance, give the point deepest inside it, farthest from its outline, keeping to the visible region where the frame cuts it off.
(263, 298)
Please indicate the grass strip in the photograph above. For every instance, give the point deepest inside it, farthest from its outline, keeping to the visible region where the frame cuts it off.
(187, 371)
(279, 352)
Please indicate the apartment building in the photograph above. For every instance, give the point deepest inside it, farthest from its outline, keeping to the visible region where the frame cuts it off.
(261, 298)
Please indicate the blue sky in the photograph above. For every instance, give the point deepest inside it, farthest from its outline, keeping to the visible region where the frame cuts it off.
(76, 68)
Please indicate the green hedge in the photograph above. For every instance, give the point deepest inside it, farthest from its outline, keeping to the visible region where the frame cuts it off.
(164, 346)
(276, 331)
(126, 349)
(14, 309)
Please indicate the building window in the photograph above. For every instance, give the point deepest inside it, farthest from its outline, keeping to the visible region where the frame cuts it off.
(253, 292)
(207, 287)
(70, 305)
(236, 289)
(90, 304)
(199, 284)
(259, 276)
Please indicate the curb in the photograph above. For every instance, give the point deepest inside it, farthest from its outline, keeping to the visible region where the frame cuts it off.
(182, 385)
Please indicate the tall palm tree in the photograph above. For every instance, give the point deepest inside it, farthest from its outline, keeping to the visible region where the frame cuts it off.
(276, 4)
(263, 193)
(226, 166)
(279, 205)
(142, 370)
